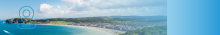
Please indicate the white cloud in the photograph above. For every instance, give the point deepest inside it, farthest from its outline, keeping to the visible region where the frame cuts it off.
(88, 8)
(45, 8)
(106, 4)
(58, 6)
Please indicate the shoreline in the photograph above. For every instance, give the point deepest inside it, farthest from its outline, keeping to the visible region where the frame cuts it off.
(112, 31)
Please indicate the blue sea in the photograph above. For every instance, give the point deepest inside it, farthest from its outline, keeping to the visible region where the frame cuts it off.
(11, 29)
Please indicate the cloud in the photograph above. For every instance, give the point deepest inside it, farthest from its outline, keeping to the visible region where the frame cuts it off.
(58, 6)
(45, 8)
(89, 8)
(76, 5)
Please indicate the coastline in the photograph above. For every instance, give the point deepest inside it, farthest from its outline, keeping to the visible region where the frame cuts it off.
(111, 31)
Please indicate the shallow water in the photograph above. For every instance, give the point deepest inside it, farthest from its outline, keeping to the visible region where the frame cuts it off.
(11, 29)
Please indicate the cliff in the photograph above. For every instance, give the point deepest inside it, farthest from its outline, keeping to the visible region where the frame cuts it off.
(17, 20)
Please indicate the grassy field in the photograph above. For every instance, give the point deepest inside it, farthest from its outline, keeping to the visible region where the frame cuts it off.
(60, 22)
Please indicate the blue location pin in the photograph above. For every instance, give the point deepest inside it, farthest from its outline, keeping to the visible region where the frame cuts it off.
(31, 15)
(28, 11)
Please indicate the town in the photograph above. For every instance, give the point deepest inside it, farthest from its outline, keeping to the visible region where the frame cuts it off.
(121, 26)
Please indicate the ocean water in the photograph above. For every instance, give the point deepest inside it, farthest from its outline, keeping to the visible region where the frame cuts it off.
(11, 29)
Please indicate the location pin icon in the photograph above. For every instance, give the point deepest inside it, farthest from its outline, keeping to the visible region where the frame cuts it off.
(26, 14)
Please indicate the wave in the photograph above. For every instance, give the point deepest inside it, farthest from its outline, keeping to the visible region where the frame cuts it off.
(7, 32)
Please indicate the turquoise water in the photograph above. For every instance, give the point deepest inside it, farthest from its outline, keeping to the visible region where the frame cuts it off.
(40, 30)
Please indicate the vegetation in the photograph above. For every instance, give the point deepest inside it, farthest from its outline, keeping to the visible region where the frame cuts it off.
(156, 30)
(125, 19)
(77, 20)
(113, 19)
(60, 22)
(18, 20)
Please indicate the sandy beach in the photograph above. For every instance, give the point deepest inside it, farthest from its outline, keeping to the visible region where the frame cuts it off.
(95, 29)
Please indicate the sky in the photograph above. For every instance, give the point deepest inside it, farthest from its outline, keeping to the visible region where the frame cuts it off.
(83, 8)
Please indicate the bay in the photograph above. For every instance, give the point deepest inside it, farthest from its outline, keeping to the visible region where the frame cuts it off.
(11, 29)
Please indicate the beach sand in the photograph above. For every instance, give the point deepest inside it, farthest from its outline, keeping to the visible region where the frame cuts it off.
(95, 30)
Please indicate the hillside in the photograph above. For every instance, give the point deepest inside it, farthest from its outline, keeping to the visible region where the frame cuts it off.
(110, 19)
(17, 20)
(102, 19)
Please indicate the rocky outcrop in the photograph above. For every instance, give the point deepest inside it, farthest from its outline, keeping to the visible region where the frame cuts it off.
(13, 21)
(17, 20)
